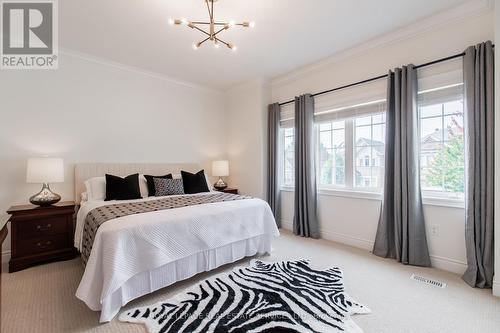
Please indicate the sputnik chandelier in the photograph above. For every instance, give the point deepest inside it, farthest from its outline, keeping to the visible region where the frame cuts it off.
(214, 28)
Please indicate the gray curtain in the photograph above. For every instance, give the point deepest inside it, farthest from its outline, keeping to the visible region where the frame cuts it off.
(273, 193)
(401, 227)
(305, 220)
(479, 110)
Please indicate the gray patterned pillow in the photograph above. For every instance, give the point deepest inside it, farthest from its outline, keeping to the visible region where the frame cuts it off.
(165, 187)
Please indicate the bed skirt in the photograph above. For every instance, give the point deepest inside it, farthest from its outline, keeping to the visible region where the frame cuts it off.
(149, 281)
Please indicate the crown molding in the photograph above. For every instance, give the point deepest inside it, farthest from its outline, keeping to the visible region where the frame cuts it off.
(466, 10)
(136, 70)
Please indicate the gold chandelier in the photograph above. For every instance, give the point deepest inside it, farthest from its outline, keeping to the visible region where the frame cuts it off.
(214, 28)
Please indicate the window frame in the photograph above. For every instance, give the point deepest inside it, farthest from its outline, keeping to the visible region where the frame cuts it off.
(350, 163)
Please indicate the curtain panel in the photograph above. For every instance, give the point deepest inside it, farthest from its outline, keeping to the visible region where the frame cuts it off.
(305, 220)
(479, 144)
(273, 192)
(401, 229)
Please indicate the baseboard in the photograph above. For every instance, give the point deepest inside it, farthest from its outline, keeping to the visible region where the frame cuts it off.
(446, 264)
(5, 260)
(496, 288)
(347, 240)
(449, 265)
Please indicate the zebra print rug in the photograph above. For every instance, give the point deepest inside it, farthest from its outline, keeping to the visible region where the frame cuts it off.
(287, 296)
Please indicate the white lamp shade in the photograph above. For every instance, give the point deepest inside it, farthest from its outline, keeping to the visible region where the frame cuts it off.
(220, 168)
(45, 170)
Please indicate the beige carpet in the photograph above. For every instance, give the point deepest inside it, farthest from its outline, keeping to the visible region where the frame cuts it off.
(41, 299)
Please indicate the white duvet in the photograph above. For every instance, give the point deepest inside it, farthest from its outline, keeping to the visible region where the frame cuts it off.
(134, 244)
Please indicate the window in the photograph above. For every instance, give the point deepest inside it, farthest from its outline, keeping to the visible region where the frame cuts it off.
(351, 152)
(442, 158)
(370, 151)
(331, 151)
(288, 151)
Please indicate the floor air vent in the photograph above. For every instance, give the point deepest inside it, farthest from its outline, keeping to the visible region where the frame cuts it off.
(431, 282)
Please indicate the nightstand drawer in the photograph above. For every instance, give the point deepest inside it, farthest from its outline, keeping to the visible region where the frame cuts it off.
(43, 227)
(42, 244)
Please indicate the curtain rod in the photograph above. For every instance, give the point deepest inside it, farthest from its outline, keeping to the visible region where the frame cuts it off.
(380, 77)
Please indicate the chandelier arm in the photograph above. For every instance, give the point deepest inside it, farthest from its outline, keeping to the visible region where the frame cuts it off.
(223, 42)
(208, 23)
(219, 31)
(203, 41)
(199, 29)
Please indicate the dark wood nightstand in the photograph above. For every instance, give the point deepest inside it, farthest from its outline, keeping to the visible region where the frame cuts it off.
(229, 190)
(41, 234)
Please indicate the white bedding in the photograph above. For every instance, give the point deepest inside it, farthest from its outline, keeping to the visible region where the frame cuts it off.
(135, 254)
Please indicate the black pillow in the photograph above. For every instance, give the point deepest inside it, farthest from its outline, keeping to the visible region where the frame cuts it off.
(151, 183)
(118, 188)
(194, 182)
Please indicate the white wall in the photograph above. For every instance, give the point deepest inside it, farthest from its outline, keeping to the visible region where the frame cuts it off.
(90, 111)
(246, 109)
(352, 220)
(496, 285)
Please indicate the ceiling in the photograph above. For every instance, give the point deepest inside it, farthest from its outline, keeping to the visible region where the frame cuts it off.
(288, 33)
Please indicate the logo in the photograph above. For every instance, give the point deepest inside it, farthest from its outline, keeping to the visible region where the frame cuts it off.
(29, 35)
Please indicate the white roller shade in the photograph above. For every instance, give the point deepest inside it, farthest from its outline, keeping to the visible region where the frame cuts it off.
(351, 102)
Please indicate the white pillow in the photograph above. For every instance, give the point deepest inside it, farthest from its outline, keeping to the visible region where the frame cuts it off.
(143, 186)
(210, 185)
(96, 188)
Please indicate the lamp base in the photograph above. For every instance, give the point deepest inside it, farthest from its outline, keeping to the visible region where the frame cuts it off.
(45, 197)
(220, 185)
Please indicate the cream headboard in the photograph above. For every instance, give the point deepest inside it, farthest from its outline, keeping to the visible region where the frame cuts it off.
(88, 170)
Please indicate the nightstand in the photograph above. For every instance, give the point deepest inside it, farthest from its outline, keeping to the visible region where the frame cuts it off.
(41, 234)
(229, 190)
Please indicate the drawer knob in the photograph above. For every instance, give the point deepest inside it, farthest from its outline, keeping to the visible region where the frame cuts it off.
(39, 244)
(47, 226)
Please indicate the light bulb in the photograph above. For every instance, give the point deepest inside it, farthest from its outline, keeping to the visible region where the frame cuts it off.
(252, 24)
(184, 21)
(196, 46)
(231, 24)
(216, 44)
(232, 46)
(171, 21)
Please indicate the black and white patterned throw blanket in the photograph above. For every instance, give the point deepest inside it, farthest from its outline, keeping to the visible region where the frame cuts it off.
(99, 215)
(287, 296)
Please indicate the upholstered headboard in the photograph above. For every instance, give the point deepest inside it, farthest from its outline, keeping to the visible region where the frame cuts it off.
(88, 170)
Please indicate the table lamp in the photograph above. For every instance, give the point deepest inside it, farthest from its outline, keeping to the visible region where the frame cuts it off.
(220, 169)
(43, 171)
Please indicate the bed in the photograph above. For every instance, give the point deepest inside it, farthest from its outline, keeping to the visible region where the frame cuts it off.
(134, 255)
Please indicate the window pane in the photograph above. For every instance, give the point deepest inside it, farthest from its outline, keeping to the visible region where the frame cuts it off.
(454, 126)
(363, 121)
(338, 138)
(442, 157)
(326, 167)
(378, 134)
(453, 107)
(325, 127)
(431, 111)
(338, 125)
(325, 139)
(379, 118)
(363, 136)
(431, 129)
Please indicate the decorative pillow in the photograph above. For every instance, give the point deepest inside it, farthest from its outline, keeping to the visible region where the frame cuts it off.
(194, 182)
(118, 188)
(166, 186)
(151, 183)
(96, 188)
